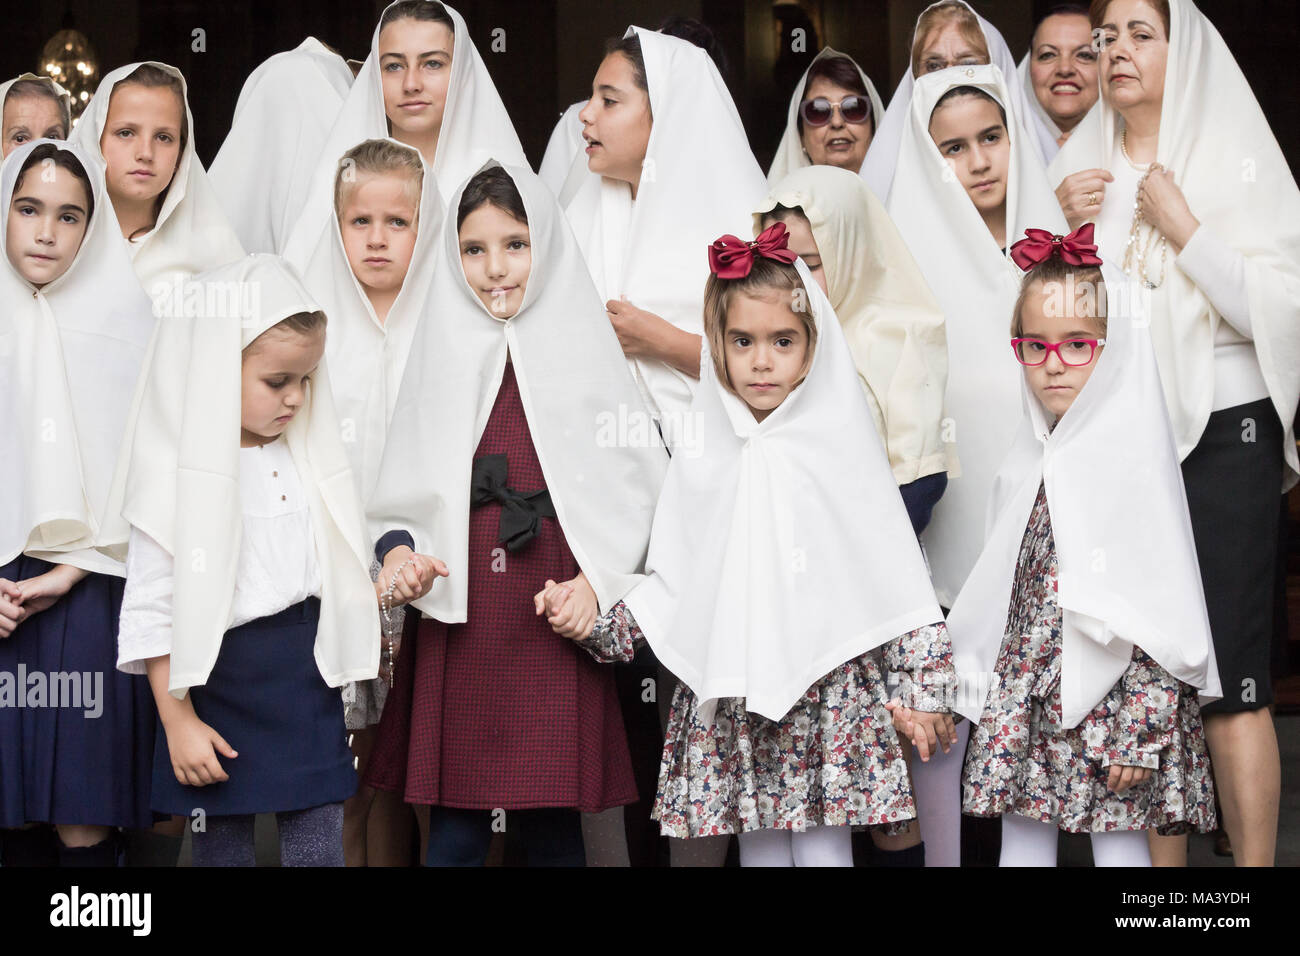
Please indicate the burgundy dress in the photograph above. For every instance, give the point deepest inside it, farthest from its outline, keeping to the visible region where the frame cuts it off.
(501, 711)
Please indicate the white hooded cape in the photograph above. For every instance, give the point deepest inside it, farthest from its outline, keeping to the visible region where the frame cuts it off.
(783, 549)
(70, 355)
(285, 111)
(977, 285)
(1224, 157)
(181, 471)
(575, 388)
(1127, 569)
(192, 232)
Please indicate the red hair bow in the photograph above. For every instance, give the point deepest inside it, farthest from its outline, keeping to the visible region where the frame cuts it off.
(1077, 249)
(731, 257)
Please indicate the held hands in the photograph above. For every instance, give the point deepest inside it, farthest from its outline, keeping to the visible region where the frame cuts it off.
(927, 731)
(19, 600)
(1165, 207)
(410, 575)
(1081, 195)
(193, 747)
(570, 607)
(1121, 777)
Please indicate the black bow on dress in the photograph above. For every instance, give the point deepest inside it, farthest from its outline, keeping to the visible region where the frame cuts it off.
(521, 512)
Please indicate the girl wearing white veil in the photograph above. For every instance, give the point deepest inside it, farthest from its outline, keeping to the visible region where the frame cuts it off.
(285, 111)
(74, 326)
(425, 85)
(949, 33)
(139, 125)
(966, 180)
(1192, 195)
(33, 107)
(838, 138)
(1081, 636)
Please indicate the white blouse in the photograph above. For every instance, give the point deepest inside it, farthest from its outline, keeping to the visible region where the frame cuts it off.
(1217, 270)
(278, 567)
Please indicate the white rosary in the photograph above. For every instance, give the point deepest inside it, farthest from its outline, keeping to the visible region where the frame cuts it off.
(385, 607)
(1136, 255)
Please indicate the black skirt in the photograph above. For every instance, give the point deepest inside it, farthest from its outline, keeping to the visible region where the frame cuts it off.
(267, 699)
(1234, 482)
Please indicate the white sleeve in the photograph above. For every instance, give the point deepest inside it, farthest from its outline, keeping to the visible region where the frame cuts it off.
(145, 628)
(1219, 271)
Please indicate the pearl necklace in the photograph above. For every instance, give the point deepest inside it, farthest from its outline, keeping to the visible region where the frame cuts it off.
(1136, 254)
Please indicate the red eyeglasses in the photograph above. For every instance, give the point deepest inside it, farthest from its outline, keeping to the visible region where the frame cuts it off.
(820, 110)
(1072, 352)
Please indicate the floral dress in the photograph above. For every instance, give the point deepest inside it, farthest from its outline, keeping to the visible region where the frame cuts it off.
(833, 760)
(1021, 760)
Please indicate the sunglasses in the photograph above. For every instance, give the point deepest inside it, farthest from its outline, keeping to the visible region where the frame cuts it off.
(1072, 352)
(819, 111)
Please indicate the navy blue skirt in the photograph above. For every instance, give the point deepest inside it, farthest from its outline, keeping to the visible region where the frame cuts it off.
(76, 734)
(266, 697)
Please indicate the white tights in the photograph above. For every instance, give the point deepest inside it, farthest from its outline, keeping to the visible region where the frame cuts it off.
(1027, 842)
(816, 846)
(936, 787)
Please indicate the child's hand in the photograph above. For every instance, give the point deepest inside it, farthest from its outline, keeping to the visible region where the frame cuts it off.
(39, 593)
(570, 607)
(414, 575)
(1121, 777)
(11, 612)
(927, 731)
(193, 747)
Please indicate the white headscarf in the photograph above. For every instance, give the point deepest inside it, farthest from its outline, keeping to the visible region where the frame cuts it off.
(891, 320)
(565, 143)
(366, 356)
(285, 112)
(976, 284)
(790, 154)
(192, 233)
(64, 96)
(1224, 157)
(70, 354)
(575, 389)
(181, 468)
(475, 128)
(783, 549)
(1036, 111)
(883, 157)
(1127, 568)
(699, 180)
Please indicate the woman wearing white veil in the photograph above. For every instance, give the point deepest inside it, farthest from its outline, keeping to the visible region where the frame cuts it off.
(1213, 237)
(1060, 72)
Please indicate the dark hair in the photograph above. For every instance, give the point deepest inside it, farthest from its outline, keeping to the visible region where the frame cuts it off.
(1056, 270)
(843, 72)
(958, 91)
(43, 88)
(1057, 9)
(427, 10)
(64, 159)
(148, 75)
(630, 47)
(698, 33)
(1097, 12)
(492, 187)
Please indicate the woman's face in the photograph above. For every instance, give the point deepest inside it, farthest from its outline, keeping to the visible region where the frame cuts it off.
(1063, 68)
(30, 117)
(947, 47)
(46, 222)
(616, 121)
(970, 135)
(141, 141)
(415, 72)
(497, 256)
(1135, 50)
(837, 143)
